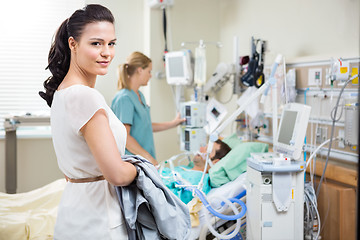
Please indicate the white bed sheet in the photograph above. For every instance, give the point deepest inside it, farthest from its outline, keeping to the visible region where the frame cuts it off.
(228, 190)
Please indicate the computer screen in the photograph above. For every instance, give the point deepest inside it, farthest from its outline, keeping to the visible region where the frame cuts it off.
(292, 130)
(178, 68)
(287, 128)
(215, 112)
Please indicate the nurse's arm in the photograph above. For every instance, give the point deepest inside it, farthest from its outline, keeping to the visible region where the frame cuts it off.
(157, 127)
(133, 146)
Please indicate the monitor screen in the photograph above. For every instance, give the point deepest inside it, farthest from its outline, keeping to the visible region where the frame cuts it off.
(287, 127)
(187, 111)
(290, 136)
(215, 112)
(176, 67)
(187, 136)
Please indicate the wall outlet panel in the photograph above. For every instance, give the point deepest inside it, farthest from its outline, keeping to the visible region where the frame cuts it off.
(315, 76)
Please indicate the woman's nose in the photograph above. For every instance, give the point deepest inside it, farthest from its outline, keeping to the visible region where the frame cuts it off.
(105, 51)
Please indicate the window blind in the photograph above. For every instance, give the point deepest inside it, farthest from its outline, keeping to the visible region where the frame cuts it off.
(26, 32)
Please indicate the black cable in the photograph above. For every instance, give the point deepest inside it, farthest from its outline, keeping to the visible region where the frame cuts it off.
(164, 29)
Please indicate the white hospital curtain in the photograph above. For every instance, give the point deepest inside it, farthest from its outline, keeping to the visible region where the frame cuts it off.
(26, 31)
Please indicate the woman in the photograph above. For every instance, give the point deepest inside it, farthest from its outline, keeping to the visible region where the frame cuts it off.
(88, 138)
(130, 107)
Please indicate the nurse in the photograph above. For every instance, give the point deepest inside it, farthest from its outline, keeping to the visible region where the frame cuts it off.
(130, 107)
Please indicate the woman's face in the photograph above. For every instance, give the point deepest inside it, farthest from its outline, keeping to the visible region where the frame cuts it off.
(145, 74)
(95, 49)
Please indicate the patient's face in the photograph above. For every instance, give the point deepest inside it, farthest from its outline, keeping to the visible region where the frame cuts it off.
(200, 159)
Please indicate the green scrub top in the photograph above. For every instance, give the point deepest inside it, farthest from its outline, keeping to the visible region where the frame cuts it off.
(130, 110)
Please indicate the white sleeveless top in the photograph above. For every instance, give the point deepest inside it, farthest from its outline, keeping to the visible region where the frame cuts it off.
(87, 210)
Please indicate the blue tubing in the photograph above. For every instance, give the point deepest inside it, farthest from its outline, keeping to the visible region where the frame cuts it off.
(242, 194)
(215, 213)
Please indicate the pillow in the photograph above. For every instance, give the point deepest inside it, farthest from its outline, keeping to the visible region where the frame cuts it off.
(234, 163)
(232, 140)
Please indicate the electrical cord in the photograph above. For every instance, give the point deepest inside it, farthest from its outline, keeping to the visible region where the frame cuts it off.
(312, 214)
(164, 30)
(333, 117)
(317, 149)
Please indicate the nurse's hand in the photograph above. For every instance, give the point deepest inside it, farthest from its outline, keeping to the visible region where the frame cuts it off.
(177, 120)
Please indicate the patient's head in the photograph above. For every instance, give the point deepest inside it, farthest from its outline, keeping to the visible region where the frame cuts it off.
(220, 149)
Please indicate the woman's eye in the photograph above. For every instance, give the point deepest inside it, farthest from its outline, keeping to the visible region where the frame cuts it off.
(96, 44)
(112, 44)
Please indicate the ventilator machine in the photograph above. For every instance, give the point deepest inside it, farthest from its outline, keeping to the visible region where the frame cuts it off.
(275, 181)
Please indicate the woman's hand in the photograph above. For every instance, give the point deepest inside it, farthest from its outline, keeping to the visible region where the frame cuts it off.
(177, 120)
(157, 127)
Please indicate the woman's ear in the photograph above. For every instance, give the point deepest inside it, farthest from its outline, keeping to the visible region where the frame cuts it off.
(72, 43)
(139, 70)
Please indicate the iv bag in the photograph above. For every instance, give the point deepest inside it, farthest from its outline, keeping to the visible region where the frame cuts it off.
(200, 66)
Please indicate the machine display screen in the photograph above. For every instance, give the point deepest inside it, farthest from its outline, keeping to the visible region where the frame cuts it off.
(187, 111)
(176, 68)
(187, 136)
(287, 127)
(215, 112)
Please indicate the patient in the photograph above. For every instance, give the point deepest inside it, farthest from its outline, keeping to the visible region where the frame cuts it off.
(220, 149)
(192, 173)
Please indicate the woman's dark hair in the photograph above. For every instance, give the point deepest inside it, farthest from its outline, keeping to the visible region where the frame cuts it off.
(59, 54)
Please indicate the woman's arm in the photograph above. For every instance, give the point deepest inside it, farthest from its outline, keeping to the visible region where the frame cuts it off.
(133, 146)
(157, 127)
(101, 142)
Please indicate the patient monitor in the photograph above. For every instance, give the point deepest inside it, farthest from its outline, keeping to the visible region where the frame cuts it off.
(194, 113)
(275, 181)
(193, 135)
(178, 68)
(192, 139)
(215, 113)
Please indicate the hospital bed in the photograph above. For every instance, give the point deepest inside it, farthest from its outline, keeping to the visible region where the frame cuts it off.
(227, 178)
(30, 215)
